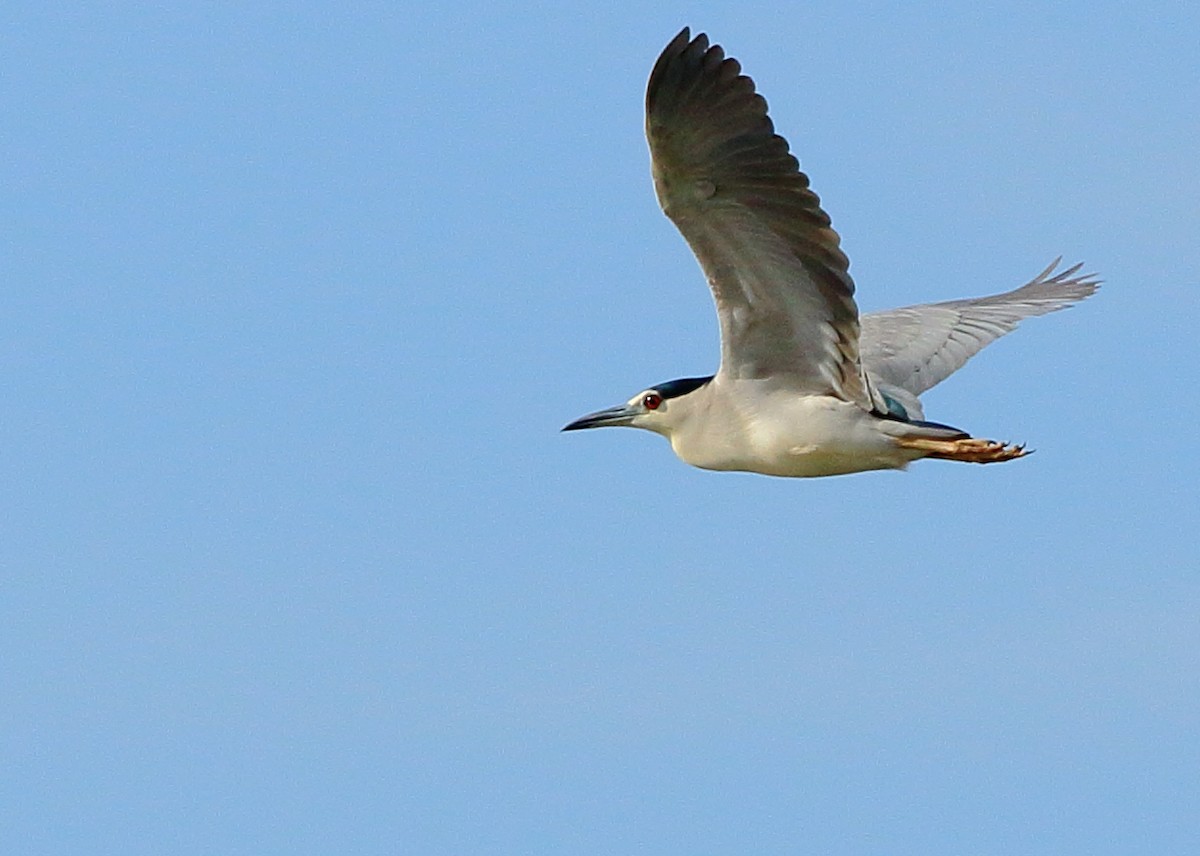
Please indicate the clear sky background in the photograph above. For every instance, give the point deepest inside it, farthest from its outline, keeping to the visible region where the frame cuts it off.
(293, 559)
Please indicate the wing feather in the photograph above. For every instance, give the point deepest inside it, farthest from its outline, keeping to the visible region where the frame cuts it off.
(917, 347)
(730, 184)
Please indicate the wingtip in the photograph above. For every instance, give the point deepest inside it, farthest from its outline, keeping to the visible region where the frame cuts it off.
(684, 40)
(1085, 284)
(683, 49)
(678, 44)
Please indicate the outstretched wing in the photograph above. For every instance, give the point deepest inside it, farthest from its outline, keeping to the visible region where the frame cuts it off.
(917, 347)
(729, 183)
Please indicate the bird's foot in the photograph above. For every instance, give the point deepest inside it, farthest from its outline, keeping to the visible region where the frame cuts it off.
(971, 450)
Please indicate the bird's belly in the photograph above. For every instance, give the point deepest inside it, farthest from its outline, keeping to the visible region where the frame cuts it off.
(811, 460)
(812, 437)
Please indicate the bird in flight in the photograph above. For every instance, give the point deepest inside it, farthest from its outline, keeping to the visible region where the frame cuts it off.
(806, 387)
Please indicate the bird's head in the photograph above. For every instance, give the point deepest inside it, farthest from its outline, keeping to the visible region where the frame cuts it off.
(661, 408)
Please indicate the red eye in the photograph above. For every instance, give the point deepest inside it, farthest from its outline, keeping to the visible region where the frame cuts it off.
(651, 401)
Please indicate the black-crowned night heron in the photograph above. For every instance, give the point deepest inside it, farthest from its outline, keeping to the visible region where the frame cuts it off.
(805, 386)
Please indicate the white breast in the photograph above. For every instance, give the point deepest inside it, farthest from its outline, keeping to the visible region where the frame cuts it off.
(753, 428)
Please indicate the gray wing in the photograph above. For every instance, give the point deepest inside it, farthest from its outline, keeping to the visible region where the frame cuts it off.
(917, 347)
(727, 180)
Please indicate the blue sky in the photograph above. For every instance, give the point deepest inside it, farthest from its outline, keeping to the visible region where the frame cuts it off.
(293, 558)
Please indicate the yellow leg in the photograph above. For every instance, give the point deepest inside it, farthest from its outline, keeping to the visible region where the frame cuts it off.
(972, 450)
